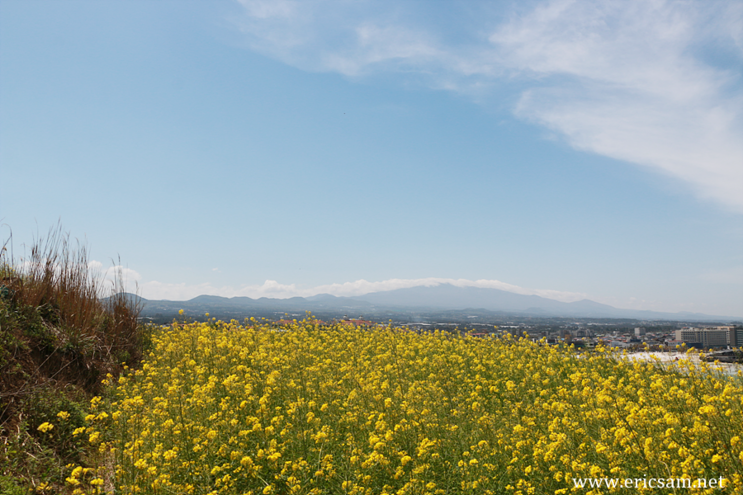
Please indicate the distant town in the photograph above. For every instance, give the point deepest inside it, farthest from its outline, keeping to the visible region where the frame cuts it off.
(652, 335)
(581, 332)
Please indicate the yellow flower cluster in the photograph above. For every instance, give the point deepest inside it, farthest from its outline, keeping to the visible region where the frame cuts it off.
(86, 480)
(314, 409)
(45, 427)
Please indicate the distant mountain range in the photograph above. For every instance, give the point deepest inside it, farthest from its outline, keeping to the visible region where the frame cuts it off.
(419, 300)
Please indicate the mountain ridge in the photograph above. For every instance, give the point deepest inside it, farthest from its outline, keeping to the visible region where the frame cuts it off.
(441, 297)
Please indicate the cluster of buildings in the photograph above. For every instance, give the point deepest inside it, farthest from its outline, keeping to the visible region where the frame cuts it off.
(637, 337)
(708, 337)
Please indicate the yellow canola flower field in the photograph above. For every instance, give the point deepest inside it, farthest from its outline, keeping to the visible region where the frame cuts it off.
(221, 408)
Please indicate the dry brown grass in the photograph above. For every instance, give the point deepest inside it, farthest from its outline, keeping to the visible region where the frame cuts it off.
(63, 328)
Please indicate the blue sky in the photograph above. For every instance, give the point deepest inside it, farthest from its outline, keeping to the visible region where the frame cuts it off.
(567, 149)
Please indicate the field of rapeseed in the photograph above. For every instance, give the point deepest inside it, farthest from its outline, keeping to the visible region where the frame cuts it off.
(311, 409)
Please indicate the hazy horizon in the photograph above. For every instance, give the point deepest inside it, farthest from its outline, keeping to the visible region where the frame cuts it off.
(273, 290)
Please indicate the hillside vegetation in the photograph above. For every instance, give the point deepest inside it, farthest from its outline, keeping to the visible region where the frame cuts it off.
(62, 330)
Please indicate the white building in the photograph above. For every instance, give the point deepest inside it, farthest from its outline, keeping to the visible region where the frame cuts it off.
(711, 337)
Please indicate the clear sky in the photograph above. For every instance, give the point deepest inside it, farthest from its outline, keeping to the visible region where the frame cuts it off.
(276, 148)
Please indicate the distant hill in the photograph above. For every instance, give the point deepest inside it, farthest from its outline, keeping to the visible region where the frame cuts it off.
(443, 297)
(447, 296)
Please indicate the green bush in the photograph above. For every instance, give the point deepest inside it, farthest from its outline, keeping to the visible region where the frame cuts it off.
(9, 487)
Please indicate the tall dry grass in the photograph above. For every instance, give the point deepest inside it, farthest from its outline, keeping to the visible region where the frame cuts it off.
(61, 322)
(74, 299)
(63, 327)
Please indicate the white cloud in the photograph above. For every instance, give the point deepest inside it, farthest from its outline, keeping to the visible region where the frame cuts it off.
(181, 292)
(633, 90)
(630, 80)
(267, 9)
(274, 289)
(352, 38)
(115, 277)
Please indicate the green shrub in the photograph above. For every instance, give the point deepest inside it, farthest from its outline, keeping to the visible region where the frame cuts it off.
(9, 487)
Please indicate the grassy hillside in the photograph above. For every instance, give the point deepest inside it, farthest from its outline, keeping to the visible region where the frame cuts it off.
(62, 330)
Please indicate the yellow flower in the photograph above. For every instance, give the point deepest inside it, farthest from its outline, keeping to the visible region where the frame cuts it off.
(44, 427)
(298, 398)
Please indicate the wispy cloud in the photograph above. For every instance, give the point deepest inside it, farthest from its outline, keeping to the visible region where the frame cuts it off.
(635, 91)
(274, 289)
(651, 82)
(353, 38)
(115, 277)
